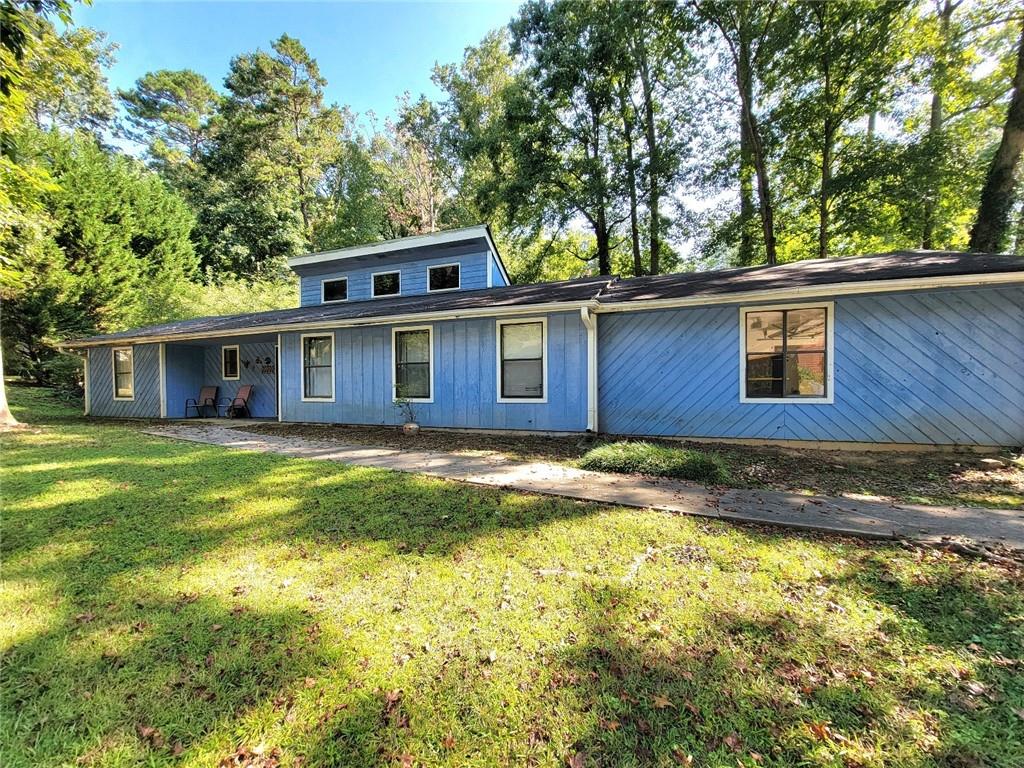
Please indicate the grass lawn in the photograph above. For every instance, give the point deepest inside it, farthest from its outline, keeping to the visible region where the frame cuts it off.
(167, 603)
(961, 478)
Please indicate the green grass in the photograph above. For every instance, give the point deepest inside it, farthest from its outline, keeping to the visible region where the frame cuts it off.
(173, 604)
(637, 457)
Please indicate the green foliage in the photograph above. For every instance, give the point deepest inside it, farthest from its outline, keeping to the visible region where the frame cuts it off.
(234, 296)
(638, 457)
(114, 251)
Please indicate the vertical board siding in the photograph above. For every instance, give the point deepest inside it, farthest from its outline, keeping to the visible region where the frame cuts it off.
(465, 385)
(473, 275)
(184, 371)
(938, 367)
(251, 354)
(146, 365)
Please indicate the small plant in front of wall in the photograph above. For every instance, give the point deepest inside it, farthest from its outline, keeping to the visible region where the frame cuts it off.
(405, 405)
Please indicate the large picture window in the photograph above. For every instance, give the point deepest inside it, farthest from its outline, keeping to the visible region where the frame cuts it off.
(318, 367)
(444, 277)
(387, 284)
(521, 360)
(124, 373)
(786, 353)
(413, 355)
(229, 363)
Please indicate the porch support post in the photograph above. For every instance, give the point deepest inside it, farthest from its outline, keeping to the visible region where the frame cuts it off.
(85, 381)
(279, 403)
(163, 382)
(590, 322)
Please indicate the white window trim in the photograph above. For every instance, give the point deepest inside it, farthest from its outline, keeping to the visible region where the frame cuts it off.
(830, 357)
(544, 358)
(333, 280)
(394, 361)
(238, 361)
(113, 371)
(302, 368)
(373, 287)
(444, 266)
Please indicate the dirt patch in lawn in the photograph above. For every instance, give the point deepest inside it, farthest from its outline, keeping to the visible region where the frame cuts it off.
(921, 478)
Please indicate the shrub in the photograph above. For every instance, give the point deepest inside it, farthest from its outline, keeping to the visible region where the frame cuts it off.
(648, 459)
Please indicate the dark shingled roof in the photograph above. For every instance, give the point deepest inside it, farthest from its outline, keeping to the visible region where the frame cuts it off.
(583, 289)
(819, 272)
(883, 266)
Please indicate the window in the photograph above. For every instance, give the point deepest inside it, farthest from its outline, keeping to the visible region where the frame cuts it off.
(229, 363)
(387, 284)
(124, 373)
(334, 290)
(318, 367)
(412, 351)
(444, 277)
(786, 353)
(522, 364)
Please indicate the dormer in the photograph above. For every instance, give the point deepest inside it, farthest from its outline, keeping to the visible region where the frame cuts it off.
(440, 262)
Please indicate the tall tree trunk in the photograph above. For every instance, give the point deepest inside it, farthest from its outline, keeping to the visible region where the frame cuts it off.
(824, 194)
(990, 228)
(654, 154)
(872, 119)
(746, 253)
(934, 141)
(745, 80)
(634, 225)
(600, 220)
(6, 417)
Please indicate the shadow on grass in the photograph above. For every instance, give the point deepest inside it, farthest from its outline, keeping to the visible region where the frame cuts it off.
(110, 527)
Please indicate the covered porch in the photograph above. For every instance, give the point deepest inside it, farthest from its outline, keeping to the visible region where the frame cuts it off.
(227, 363)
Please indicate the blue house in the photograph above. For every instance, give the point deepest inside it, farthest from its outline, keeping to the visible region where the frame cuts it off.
(908, 347)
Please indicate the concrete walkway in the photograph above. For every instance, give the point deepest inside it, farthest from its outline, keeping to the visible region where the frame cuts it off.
(824, 513)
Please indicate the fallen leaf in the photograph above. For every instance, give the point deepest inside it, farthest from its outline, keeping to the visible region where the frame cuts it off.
(448, 742)
(310, 682)
(681, 757)
(610, 725)
(576, 761)
(661, 702)
(733, 742)
(151, 736)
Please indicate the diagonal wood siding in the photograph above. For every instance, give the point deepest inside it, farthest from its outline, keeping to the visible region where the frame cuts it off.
(147, 385)
(944, 367)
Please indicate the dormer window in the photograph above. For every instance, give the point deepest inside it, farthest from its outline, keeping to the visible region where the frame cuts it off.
(443, 277)
(387, 284)
(334, 290)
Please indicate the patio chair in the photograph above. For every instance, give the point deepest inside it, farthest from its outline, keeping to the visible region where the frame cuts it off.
(239, 404)
(207, 399)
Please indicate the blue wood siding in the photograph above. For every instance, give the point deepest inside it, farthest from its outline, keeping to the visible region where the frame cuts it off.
(146, 364)
(251, 362)
(183, 366)
(942, 367)
(497, 279)
(359, 271)
(465, 372)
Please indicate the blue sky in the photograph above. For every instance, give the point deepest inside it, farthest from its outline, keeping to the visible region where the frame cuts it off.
(370, 52)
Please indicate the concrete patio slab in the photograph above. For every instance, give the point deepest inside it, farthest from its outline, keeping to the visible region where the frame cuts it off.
(820, 513)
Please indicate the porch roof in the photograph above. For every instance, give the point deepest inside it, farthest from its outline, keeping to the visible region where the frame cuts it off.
(893, 271)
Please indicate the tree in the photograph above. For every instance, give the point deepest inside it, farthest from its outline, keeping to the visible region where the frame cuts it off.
(559, 119)
(65, 81)
(844, 65)
(116, 252)
(751, 32)
(170, 112)
(993, 220)
(258, 198)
